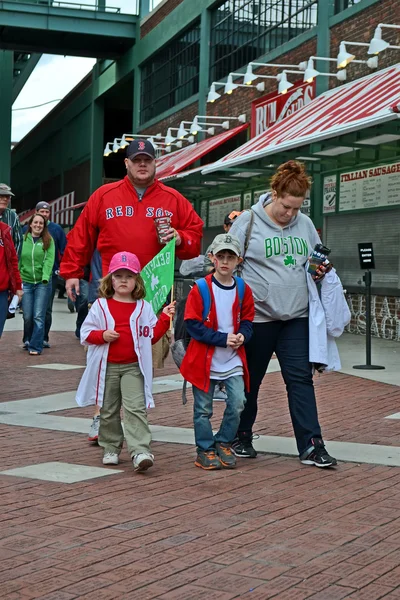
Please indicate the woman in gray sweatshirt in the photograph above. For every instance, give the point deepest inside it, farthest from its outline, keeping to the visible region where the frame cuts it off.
(280, 239)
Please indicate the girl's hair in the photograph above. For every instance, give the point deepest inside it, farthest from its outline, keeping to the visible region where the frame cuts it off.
(291, 178)
(106, 289)
(45, 235)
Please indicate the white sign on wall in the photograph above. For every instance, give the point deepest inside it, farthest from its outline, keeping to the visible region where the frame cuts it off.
(247, 200)
(218, 209)
(370, 188)
(329, 194)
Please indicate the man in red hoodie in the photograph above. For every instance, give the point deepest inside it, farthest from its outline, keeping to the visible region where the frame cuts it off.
(120, 217)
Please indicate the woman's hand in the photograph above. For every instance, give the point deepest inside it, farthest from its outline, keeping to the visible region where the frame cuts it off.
(322, 271)
(170, 309)
(20, 293)
(109, 335)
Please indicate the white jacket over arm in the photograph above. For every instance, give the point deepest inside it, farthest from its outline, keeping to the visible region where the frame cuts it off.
(142, 322)
(328, 316)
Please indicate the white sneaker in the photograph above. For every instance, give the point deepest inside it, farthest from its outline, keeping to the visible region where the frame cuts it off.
(142, 462)
(110, 458)
(94, 430)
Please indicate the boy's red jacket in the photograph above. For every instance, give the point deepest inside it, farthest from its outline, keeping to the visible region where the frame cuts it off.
(196, 364)
(114, 220)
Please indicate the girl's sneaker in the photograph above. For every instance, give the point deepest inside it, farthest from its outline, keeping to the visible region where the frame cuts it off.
(94, 430)
(143, 461)
(110, 458)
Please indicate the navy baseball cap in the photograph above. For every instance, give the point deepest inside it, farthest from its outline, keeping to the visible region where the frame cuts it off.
(140, 147)
(45, 205)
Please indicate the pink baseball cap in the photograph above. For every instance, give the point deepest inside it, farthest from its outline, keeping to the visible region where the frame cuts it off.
(124, 260)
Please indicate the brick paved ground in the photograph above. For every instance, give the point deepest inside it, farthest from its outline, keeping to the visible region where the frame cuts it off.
(273, 528)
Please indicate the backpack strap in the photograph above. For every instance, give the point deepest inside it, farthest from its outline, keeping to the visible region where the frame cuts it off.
(205, 295)
(241, 287)
(249, 229)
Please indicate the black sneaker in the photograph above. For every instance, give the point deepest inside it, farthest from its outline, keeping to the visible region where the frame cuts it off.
(318, 455)
(207, 460)
(243, 446)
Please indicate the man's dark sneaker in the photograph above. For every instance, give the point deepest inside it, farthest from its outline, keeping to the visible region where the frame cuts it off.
(243, 446)
(207, 460)
(318, 456)
(226, 456)
(46, 345)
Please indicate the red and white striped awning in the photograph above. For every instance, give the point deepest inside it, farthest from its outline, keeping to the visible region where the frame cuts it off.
(359, 104)
(178, 161)
(60, 206)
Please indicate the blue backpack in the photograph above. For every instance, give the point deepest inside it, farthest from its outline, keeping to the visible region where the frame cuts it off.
(182, 338)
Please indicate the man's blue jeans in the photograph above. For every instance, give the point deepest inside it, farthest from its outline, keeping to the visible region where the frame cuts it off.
(3, 309)
(49, 308)
(34, 304)
(203, 410)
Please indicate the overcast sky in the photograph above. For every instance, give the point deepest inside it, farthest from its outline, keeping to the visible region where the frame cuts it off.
(52, 79)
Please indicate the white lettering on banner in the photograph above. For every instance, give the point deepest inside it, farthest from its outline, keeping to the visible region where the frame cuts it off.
(272, 108)
(156, 262)
(370, 188)
(388, 326)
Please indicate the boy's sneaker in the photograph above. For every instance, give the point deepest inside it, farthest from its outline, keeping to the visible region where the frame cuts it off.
(46, 345)
(207, 460)
(243, 446)
(226, 456)
(110, 458)
(94, 430)
(318, 456)
(143, 461)
(220, 393)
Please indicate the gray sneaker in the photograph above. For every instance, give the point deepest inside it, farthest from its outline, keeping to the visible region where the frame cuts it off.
(94, 430)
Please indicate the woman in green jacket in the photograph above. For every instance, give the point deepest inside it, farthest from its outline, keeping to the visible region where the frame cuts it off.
(36, 264)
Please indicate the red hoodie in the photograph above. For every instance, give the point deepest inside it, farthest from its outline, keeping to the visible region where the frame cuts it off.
(10, 278)
(114, 220)
(196, 365)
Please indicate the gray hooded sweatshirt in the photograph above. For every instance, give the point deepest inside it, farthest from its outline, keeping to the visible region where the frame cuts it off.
(274, 262)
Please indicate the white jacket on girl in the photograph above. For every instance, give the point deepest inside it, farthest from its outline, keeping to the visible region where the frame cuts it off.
(328, 316)
(142, 321)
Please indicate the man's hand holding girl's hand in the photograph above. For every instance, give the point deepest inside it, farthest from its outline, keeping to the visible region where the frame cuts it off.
(170, 309)
(109, 335)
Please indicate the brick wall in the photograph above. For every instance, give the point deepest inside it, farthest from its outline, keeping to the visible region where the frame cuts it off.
(186, 114)
(156, 16)
(361, 29)
(385, 316)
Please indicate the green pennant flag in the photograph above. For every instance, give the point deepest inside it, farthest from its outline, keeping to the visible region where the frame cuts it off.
(158, 276)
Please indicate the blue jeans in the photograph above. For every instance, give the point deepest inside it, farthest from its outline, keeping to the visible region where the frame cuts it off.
(34, 304)
(49, 308)
(203, 410)
(3, 309)
(289, 340)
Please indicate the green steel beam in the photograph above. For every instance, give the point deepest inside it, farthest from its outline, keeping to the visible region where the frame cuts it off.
(24, 76)
(204, 67)
(96, 144)
(35, 27)
(6, 78)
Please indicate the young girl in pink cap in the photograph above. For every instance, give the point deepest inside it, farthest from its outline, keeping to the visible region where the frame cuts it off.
(119, 332)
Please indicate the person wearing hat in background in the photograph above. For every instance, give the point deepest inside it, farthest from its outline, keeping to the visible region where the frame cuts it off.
(217, 343)
(120, 216)
(10, 217)
(60, 241)
(230, 218)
